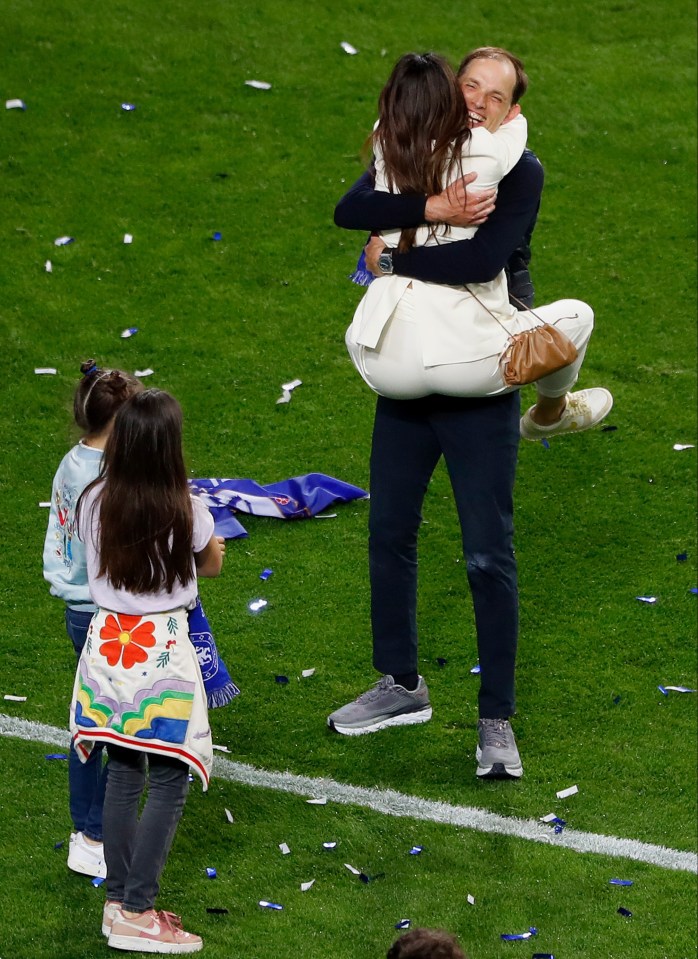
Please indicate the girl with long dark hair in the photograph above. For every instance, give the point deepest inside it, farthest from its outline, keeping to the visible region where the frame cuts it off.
(139, 687)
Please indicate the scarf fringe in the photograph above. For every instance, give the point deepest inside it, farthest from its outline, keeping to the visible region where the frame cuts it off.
(216, 698)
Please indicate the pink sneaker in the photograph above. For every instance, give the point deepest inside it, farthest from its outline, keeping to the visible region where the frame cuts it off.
(112, 912)
(153, 932)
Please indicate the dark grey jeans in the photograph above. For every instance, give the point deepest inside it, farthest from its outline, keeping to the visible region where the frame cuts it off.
(136, 850)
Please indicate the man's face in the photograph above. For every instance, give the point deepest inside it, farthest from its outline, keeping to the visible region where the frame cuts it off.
(488, 86)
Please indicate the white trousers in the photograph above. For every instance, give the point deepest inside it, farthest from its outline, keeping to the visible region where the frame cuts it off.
(396, 369)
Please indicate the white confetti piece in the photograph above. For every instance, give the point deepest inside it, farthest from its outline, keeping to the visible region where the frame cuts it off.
(650, 600)
(63, 240)
(329, 845)
(352, 869)
(680, 689)
(471, 899)
(44, 504)
(128, 238)
(325, 516)
(257, 605)
(287, 389)
(141, 373)
(15, 104)
(45, 370)
(551, 817)
(305, 886)
(258, 84)
(48, 266)
(348, 48)
(284, 848)
(307, 673)
(14, 699)
(565, 793)
(320, 801)
(684, 446)
(131, 331)
(128, 107)
(229, 816)
(221, 749)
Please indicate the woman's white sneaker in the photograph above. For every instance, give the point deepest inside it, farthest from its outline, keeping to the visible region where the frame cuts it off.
(583, 409)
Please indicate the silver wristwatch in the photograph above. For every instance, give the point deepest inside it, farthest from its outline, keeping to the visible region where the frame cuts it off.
(385, 261)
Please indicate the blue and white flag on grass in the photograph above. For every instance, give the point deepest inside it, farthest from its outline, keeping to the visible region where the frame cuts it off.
(299, 497)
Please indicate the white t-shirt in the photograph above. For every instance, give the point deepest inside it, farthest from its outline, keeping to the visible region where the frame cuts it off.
(122, 601)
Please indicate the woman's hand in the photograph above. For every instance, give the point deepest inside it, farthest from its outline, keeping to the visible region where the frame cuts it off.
(457, 206)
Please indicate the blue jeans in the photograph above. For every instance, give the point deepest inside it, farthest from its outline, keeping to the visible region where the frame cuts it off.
(136, 850)
(479, 440)
(86, 781)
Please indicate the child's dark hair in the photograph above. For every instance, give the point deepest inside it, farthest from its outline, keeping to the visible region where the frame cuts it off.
(145, 511)
(426, 944)
(99, 395)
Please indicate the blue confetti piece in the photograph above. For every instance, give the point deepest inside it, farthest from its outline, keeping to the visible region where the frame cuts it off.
(217, 235)
(476, 669)
(59, 845)
(516, 937)
(617, 699)
(681, 557)
(440, 661)
(624, 912)
(266, 573)
(403, 924)
(97, 882)
(663, 691)
(415, 850)
(211, 872)
(270, 905)
(545, 444)
(545, 955)
(559, 826)
(128, 107)
(56, 756)
(694, 590)
(620, 882)
(281, 680)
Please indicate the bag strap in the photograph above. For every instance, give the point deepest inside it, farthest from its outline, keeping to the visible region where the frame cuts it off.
(494, 317)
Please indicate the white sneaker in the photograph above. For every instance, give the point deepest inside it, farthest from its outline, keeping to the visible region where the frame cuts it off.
(85, 858)
(583, 410)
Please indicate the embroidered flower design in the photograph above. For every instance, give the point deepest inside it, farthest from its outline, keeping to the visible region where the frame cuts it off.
(124, 635)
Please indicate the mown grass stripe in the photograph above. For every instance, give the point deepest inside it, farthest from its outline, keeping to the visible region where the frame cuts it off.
(392, 803)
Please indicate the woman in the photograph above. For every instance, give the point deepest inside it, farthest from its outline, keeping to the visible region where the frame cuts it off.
(408, 338)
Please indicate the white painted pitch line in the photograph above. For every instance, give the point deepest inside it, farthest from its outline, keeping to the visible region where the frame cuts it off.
(393, 803)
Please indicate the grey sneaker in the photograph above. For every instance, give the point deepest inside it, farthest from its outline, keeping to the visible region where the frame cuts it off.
(384, 704)
(496, 753)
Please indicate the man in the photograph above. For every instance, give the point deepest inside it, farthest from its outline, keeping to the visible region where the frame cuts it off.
(478, 438)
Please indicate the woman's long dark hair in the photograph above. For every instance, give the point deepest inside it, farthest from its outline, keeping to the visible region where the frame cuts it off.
(422, 127)
(145, 511)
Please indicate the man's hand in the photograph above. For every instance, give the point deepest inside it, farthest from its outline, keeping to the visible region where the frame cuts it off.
(457, 206)
(373, 249)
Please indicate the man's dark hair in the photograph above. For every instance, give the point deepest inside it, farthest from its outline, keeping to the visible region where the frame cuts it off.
(498, 53)
(426, 944)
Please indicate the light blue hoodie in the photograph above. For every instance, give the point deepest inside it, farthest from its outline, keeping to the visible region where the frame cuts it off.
(65, 565)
